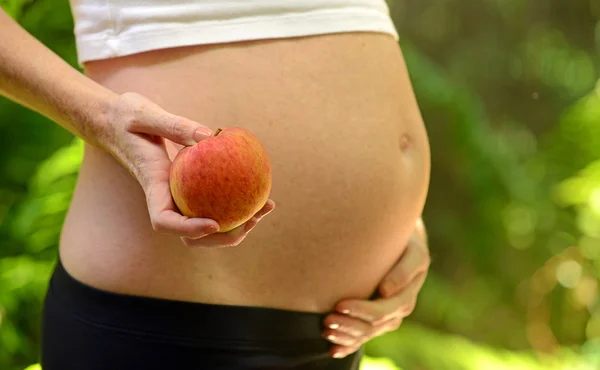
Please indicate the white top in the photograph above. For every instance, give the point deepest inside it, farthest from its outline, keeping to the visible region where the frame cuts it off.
(113, 28)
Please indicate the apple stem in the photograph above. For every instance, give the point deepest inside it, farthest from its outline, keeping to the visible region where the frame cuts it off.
(218, 132)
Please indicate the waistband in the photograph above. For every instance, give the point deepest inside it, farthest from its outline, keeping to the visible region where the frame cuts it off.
(190, 320)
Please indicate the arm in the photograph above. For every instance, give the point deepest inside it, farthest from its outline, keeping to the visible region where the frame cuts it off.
(129, 127)
(32, 75)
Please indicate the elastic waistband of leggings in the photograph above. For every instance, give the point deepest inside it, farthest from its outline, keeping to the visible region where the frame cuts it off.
(184, 319)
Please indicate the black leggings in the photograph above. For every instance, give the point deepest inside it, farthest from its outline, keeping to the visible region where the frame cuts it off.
(85, 328)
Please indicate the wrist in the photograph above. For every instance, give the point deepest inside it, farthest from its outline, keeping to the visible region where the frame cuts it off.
(94, 123)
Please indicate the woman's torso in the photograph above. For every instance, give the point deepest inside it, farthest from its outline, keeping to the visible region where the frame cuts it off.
(350, 162)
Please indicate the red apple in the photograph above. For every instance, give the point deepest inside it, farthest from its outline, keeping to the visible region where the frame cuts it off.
(226, 177)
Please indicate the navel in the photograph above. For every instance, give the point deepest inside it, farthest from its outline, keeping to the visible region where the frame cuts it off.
(405, 142)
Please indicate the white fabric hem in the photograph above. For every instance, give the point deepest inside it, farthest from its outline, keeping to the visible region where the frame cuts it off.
(94, 47)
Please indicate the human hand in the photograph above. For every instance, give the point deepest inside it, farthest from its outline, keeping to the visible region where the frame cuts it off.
(355, 322)
(135, 129)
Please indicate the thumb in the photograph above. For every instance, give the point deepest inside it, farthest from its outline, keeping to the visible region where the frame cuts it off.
(178, 129)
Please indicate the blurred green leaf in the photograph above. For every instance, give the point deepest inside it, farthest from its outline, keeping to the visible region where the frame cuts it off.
(416, 347)
(510, 95)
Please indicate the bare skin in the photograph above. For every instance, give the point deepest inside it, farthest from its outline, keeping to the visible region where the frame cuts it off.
(350, 173)
(350, 162)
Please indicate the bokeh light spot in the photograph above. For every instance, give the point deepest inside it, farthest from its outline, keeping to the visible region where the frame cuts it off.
(568, 273)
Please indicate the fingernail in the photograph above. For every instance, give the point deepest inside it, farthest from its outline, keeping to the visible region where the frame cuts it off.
(334, 326)
(345, 310)
(202, 133)
(337, 355)
(211, 229)
(331, 337)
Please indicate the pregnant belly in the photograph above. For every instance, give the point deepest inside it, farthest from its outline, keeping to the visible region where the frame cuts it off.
(350, 164)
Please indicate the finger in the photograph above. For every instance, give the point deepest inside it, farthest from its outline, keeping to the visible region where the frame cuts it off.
(234, 237)
(385, 327)
(338, 351)
(337, 337)
(229, 239)
(166, 220)
(154, 178)
(414, 261)
(171, 222)
(251, 223)
(218, 240)
(266, 209)
(379, 329)
(152, 120)
(341, 350)
(383, 309)
(346, 324)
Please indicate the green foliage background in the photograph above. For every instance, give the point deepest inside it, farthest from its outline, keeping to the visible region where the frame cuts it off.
(510, 94)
